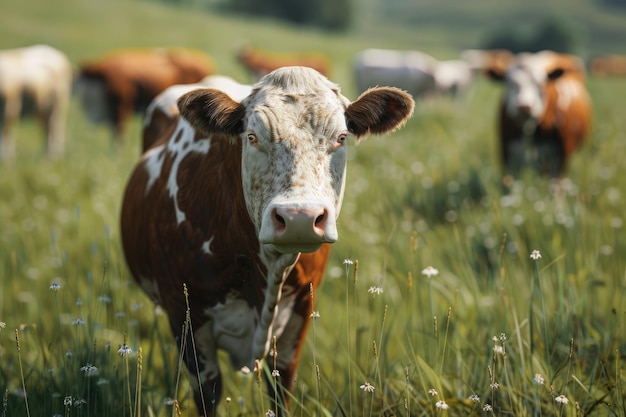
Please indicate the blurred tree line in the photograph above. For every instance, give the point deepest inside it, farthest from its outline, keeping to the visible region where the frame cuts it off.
(553, 33)
(328, 14)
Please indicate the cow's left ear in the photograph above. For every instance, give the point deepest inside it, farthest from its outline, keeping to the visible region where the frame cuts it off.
(379, 110)
(210, 110)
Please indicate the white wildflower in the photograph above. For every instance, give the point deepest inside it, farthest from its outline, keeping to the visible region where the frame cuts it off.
(539, 379)
(89, 370)
(561, 399)
(432, 392)
(375, 290)
(367, 387)
(441, 404)
(534, 255)
(55, 286)
(124, 350)
(104, 298)
(429, 271)
(474, 398)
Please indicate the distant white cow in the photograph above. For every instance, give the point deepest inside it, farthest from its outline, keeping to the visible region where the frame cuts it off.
(162, 113)
(411, 71)
(35, 80)
(453, 76)
(416, 72)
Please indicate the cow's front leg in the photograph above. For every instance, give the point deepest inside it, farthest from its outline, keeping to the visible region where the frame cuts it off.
(200, 356)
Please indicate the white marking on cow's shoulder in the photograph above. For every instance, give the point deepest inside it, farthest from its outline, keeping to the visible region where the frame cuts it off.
(153, 163)
(206, 246)
(180, 147)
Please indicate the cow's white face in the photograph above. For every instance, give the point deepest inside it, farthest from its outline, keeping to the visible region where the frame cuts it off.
(525, 99)
(294, 128)
(524, 94)
(293, 166)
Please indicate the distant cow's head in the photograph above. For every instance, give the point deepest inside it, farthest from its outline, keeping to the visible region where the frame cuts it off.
(294, 127)
(528, 81)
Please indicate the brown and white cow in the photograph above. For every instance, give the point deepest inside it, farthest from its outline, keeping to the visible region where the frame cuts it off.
(545, 113)
(123, 82)
(162, 113)
(240, 204)
(608, 66)
(260, 62)
(34, 80)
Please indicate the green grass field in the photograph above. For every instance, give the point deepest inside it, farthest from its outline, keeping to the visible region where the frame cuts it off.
(428, 195)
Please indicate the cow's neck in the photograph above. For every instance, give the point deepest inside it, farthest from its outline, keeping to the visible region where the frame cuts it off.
(279, 266)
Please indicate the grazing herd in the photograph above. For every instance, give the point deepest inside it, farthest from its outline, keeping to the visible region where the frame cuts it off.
(239, 187)
(545, 113)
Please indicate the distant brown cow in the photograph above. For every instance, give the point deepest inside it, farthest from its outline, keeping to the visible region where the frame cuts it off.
(260, 62)
(545, 113)
(124, 82)
(608, 65)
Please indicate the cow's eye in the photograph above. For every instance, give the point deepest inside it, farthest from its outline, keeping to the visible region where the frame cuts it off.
(252, 139)
(341, 140)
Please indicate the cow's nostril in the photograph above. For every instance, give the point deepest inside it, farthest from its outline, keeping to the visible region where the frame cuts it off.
(279, 219)
(320, 219)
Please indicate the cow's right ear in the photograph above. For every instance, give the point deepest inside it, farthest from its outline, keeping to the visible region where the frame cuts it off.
(379, 110)
(210, 110)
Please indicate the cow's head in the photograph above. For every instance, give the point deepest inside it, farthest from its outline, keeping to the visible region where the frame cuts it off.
(527, 82)
(294, 127)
